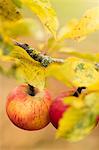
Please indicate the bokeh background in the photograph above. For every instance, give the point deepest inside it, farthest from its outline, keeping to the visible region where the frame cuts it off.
(12, 138)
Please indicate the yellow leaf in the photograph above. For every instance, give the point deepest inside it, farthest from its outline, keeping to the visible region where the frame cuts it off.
(5, 58)
(56, 70)
(75, 72)
(47, 15)
(9, 14)
(74, 101)
(22, 27)
(88, 56)
(83, 127)
(68, 121)
(80, 72)
(93, 87)
(89, 23)
(17, 3)
(67, 28)
(92, 100)
(78, 121)
(33, 73)
(8, 11)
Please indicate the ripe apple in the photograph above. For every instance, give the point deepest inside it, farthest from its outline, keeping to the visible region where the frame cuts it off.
(58, 107)
(28, 107)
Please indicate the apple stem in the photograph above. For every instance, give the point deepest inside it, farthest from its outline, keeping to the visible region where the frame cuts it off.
(78, 91)
(31, 90)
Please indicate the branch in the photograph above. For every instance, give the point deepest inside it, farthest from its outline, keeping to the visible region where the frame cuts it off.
(37, 56)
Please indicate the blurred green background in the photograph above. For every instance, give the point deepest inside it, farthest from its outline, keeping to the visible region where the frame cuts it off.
(12, 138)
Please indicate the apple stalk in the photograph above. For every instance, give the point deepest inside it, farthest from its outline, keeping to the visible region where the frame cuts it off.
(31, 90)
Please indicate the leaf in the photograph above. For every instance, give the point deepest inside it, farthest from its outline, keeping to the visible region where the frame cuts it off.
(52, 46)
(92, 100)
(75, 72)
(9, 11)
(45, 12)
(83, 128)
(89, 23)
(7, 58)
(88, 56)
(93, 87)
(74, 101)
(55, 70)
(17, 3)
(77, 122)
(83, 73)
(22, 27)
(69, 119)
(31, 71)
(67, 28)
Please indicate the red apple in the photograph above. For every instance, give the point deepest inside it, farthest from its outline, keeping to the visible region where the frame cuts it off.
(58, 107)
(28, 107)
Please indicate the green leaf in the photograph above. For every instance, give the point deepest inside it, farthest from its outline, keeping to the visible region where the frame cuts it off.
(45, 12)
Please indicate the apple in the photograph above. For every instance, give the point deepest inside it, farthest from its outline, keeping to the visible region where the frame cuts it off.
(58, 107)
(28, 107)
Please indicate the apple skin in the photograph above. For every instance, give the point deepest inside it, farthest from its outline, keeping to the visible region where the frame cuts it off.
(28, 112)
(58, 107)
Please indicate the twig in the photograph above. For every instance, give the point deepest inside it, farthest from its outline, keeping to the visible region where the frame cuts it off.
(37, 56)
